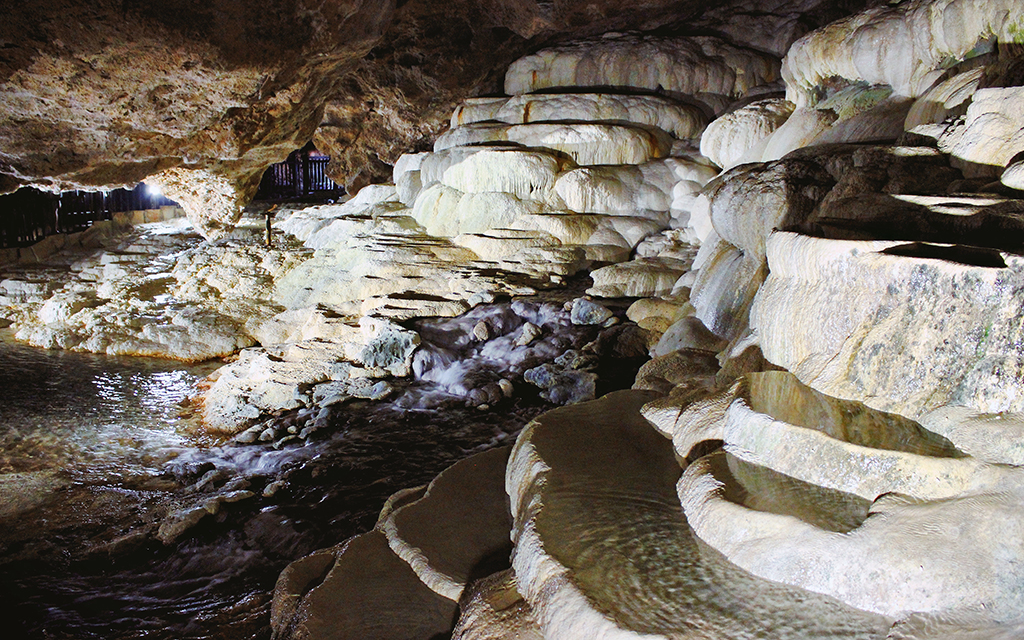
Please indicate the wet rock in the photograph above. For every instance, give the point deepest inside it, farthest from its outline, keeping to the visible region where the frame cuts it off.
(265, 380)
(177, 523)
(725, 287)
(620, 190)
(389, 347)
(493, 609)
(576, 474)
(376, 391)
(577, 360)
(481, 331)
(585, 143)
(561, 386)
(915, 478)
(458, 528)
(526, 174)
(24, 491)
(656, 315)
(507, 388)
(529, 333)
(359, 590)
(269, 434)
(584, 311)
(328, 393)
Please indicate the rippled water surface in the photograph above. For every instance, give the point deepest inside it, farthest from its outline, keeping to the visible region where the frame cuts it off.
(95, 455)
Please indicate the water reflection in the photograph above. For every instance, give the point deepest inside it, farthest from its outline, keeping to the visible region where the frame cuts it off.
(93, 459)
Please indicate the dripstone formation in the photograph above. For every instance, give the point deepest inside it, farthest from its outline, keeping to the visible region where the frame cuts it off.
(810, 226)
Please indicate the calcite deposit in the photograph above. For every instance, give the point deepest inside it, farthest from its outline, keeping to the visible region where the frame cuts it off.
(874, 286)
(809, 235)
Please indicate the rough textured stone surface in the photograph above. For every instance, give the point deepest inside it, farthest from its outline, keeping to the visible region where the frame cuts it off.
(104, 94)
(864, 318)
(149, 290)
(641, 62)
(434, 54)
(903, 45)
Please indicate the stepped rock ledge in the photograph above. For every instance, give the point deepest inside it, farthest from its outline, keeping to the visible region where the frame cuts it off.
(763, 262)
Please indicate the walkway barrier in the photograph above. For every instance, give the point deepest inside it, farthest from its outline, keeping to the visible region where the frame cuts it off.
(302, 174)
(28, 215)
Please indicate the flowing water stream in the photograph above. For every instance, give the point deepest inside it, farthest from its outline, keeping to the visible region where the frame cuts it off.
(95, 453)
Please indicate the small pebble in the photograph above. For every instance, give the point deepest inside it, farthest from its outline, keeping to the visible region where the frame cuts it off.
(273, 488)
(269, 434)
(529, 334)
(482, 332)
(506, 387)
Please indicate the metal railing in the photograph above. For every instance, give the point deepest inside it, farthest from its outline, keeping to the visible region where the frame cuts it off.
(300, 175)
(27, 215)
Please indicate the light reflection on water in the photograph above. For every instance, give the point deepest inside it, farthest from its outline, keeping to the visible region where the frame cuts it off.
(89, 414)
(93, 457)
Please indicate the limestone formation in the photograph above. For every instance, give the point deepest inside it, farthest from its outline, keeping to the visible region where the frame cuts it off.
(947, 98)
(127, 297)
(575, 475)
(880, 479)
(903, 46)
(731, 138)
(1013, 175)
(822, 294)
(643, 62)
(883, 565)
(358, 590)
(991, 134)
(585, 143)
(643, 278)
(976, 369)
(496, 610)
(459, 529)
(679, 119)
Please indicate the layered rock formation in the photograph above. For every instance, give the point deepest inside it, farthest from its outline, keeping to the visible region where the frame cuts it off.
(816, 245)
(836, 367)
(199, 98)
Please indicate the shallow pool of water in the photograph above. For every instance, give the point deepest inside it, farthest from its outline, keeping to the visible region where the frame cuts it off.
(95, 454)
